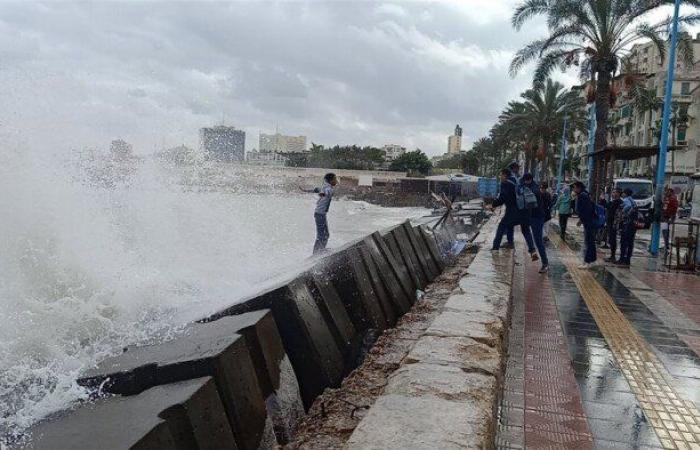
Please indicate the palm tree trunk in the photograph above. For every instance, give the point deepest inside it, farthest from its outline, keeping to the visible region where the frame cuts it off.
(602, 108)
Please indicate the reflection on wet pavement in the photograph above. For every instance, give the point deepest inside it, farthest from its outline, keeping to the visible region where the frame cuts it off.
(657, 355)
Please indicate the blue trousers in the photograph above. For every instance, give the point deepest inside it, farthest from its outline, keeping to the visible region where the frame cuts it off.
(628, 233)
(537, 226)
(322, 233)
(505, 227)
(589, 232)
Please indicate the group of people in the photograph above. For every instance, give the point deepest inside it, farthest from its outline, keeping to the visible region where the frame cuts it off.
(530, 207)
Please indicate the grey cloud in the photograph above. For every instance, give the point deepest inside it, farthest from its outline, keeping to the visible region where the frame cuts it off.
(340, 72)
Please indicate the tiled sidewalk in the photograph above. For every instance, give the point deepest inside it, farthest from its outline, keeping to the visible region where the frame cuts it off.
(619, 377)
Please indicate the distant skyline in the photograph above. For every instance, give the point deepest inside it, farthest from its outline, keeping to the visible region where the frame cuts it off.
(75, 75)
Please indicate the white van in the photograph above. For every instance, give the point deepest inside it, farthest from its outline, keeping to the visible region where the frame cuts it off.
(642, 194)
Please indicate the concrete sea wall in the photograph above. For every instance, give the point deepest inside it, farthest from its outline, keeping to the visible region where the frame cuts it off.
(243, 377)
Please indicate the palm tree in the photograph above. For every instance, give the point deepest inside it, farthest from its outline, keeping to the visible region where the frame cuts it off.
(540, 118)
(646, 102)
(594, 35)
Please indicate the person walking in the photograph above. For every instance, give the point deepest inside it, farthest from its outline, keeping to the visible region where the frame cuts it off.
(586, 211)
(668, 214)
(613, 219)
(513, 215)
(563, 208)
(325, 195)
(514, 177)
(537, 215)
(602, 233)
(628, 228)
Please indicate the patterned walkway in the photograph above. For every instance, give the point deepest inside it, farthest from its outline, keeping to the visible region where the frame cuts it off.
(599, 359)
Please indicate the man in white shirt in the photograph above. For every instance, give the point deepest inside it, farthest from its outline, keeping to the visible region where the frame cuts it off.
(325, 195)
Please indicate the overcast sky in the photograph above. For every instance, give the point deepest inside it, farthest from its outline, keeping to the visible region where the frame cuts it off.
(76, 75)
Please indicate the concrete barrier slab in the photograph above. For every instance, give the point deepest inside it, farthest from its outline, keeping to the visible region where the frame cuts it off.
(414, 281)
(419, 243)
(410, 256)
(398, 268)
(380, 290)
(387, 279)
(461, 352)
(486, 329)
(418, 251)
(430, 242)
(184, 415)
(336, 316)
(205, 349)
(394, 274)
(400, 422)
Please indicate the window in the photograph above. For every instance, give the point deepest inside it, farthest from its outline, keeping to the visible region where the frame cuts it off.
(680, 135)
(685, 88)
(626, 111)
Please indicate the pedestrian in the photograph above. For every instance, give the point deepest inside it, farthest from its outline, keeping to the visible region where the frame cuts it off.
(668, 214)
(563, 208)
(513, 215)
(537, 215)
(613, 220)
(514, 177)
(546, 207)
(586, 211)
(628, 228)
(325, 195)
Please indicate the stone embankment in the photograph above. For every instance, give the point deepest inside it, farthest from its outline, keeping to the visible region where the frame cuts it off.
(244, 376)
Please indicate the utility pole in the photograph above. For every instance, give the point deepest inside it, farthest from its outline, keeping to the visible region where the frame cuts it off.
(563, 155)
(663, 146)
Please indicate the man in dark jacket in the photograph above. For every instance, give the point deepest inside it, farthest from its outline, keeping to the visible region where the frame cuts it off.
(585, 209)
(612, 222)
(512, 217)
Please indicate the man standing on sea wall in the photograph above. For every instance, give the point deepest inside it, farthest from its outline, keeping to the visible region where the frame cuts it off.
(325, 195)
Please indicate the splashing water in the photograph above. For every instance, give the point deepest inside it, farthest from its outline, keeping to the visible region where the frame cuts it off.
(94, 260)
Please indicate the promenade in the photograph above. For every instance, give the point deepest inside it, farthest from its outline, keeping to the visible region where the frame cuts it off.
(606, 358)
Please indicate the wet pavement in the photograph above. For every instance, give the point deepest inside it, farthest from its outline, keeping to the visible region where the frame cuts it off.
(606, 358)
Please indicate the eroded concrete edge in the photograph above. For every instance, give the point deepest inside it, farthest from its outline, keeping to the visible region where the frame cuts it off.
(446, 392)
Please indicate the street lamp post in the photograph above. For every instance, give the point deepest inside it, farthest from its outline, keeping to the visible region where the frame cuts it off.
(663, 146)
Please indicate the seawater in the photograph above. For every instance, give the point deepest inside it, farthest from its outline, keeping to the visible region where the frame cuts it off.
(97, 254)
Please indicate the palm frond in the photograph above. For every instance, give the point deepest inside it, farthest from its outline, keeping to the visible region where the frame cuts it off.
(527, 10)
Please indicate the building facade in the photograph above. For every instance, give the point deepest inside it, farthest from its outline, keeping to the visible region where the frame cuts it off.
(393, 151)
(222, 143)
(454, 142)
(279, 143)
(633, 123)
(274, 159)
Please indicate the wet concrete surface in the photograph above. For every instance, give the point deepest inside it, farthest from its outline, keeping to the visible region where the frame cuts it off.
(613, 412)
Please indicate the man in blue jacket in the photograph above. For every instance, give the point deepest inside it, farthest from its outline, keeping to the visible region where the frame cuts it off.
(586, 211)
(512, 217)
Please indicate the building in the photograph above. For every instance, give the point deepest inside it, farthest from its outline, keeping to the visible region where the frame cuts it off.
(279, 143)
(631, 125)
(393, 151)
(275, 159)
(454, 142)
(223, 143)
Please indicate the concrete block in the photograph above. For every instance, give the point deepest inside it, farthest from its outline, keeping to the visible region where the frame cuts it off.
(477, 391)
(431, 243)
(399, 271)
(387, 277)
(178, 416)
(421, 254)
(205, 349)
(354, 287)
(410, 255)
(481, 327)
(432, 267)
(336, 316)
(491, 299)
(307, 338)
(460, 352)
(380, 290)
(421, 423)
(405, 254)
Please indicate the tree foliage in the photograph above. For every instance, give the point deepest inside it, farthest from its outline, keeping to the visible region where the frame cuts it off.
(339, 157)
(594, 36)
(415, 162)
